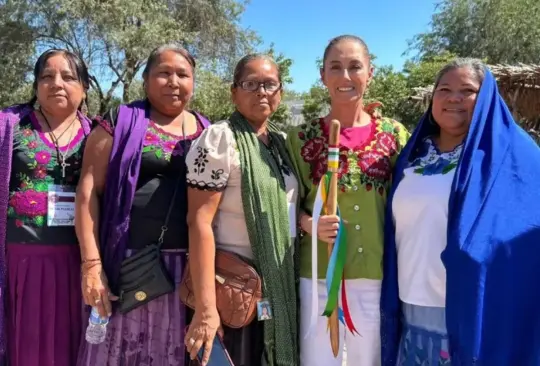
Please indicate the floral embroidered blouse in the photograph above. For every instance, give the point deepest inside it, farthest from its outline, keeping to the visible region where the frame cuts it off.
(367, 156)
(214, 165)
(34, 167)
(162, 167)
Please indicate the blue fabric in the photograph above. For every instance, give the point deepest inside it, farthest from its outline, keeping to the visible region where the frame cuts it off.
(492, 257)
(424, 340)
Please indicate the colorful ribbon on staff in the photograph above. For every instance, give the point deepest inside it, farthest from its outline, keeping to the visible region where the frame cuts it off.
(334, 273)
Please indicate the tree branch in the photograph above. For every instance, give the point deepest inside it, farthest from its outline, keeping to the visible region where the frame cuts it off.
(96, 86)
(114, 68)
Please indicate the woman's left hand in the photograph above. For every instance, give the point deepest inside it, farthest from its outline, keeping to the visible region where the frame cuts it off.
(201, 333)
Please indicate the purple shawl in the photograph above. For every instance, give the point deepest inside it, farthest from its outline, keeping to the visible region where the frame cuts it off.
(9, 117)
(121, 183)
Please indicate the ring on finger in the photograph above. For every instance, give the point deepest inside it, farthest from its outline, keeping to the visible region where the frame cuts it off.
(97, 301)
(191, 341)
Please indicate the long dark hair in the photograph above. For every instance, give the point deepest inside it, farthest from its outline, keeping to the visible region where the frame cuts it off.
(76, 64)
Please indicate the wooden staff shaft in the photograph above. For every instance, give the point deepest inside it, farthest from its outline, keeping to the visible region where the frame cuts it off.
(331, 209)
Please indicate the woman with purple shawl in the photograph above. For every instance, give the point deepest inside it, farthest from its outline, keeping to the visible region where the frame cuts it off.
(134, 160)
(41, 146)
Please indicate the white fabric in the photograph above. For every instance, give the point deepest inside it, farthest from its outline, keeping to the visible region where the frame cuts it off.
(317, 208)
(420, 208)
(214, 164)
(363, 297)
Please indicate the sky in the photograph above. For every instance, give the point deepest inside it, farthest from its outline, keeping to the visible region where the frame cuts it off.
(300, 29)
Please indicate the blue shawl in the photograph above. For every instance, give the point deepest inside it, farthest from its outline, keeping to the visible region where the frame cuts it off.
(492, 258)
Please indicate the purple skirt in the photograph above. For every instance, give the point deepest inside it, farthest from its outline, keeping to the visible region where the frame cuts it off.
(43, 305)
(150, 335)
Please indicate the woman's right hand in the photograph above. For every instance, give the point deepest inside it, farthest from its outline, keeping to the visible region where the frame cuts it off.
(327, 228)
(95, 289)
(201, 333)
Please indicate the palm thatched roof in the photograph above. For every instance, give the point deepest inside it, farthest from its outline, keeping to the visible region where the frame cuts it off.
(518, 84)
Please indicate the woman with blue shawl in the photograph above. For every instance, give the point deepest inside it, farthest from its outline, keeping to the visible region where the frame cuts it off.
(462, 236)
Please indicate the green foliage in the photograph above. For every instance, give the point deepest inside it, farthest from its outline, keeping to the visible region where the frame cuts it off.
(16, 43)
(316, 102)
(388, 87)
(424, 72)
(500, 31)
(212, 96)
(114, 37)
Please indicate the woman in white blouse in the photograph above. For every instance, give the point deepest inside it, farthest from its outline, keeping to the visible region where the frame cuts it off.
(242, 199)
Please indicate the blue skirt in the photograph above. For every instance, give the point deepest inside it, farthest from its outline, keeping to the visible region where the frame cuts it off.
(424, 341)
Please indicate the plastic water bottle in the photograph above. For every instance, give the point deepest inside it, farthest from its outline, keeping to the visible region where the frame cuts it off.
(97, 327)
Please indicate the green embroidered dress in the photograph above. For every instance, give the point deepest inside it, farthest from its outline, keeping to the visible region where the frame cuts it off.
(367, 156)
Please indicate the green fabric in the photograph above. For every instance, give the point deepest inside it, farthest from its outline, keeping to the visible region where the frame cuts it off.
(361, 194)
(266, 214)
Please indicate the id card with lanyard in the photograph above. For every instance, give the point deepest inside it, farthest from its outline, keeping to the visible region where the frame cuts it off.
(61, 197)
(143, 276)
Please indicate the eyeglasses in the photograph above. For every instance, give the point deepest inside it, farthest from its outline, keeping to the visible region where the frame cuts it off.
(251, 85)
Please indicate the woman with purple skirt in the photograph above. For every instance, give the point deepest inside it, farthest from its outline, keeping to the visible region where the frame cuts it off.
(134, 167)
(41, 146)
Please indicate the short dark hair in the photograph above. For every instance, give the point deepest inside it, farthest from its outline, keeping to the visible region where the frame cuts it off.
(241, 65)
(156, 52)
(345, 37)
(76, 65)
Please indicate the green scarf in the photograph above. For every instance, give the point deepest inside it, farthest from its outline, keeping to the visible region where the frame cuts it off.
(267, 219)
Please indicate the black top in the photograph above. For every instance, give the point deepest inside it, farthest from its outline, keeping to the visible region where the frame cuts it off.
(162, 166)
(35, 166)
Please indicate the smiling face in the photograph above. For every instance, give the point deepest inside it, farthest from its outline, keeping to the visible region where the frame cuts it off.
(169, 83)
(454, 99)
(346, 71)
(258, 105)
(58, 88)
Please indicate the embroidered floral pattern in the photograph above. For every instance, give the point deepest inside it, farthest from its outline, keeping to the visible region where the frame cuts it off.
(28, 203)
(161, 143)
(368, 164)
(431, 161)
(201, 161)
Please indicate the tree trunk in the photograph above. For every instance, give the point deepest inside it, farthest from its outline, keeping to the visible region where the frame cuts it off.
(131, 69)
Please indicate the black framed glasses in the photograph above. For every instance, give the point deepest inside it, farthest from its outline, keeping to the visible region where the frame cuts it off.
(252, 85)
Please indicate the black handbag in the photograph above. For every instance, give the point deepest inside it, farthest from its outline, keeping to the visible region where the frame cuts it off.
(143, 276)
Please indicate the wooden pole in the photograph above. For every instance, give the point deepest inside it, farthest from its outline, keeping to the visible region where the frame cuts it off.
(331, 209)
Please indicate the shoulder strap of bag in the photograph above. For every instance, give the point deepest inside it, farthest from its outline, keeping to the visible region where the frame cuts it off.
(165, 227)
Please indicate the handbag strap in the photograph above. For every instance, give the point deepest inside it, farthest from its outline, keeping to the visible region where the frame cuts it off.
(165, 226)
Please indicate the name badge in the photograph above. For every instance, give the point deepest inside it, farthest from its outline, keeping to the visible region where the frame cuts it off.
(61, 205)
(264, 311)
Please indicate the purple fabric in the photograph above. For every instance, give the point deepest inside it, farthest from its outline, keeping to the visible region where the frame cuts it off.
(151, 335)
(8, 118)
(43, 304)
(122, 175)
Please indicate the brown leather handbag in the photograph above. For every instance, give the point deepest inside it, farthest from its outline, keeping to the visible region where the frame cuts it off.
(238, 289)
